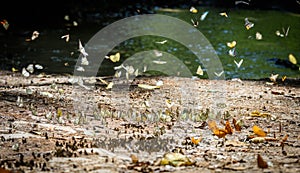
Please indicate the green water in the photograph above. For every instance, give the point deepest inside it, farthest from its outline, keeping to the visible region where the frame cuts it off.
(259, 56)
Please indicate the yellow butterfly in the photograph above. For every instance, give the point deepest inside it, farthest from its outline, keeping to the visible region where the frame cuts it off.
(199, 71)
(248, 24)
(114, 58)
(292, 59)
(224, 14)
(231, 44)
(193, 10)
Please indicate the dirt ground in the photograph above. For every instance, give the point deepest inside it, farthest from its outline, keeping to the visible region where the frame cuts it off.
(49, 125)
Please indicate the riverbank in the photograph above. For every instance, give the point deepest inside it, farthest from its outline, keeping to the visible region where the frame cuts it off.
(41, 131)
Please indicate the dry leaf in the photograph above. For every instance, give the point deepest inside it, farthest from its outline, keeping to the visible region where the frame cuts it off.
(258, 131)
(261, 163)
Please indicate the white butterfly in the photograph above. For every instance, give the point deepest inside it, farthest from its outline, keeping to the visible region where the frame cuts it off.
(79, 68)
(238, 64)
(273, 77)
(29, 68)
(161, 42)
(219, 74)
(232, 52)
(159, 62)
(67, 37)
(157, 53)
(203, 16)
(25, 73)
(195, 23)
(38, 66)
(35, 35)
(118, 74)
(84, 61)
(258, 36)
(82, 50)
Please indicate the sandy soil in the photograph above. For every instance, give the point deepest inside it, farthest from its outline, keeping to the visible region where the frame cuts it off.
(131, 129)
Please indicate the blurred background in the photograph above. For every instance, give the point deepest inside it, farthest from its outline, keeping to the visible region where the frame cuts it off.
(81, 19)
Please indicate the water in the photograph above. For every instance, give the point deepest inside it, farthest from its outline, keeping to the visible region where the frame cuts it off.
(261, 58)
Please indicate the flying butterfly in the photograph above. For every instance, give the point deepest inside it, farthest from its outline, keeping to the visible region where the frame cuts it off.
(248, 24)
(231, 44)
(199, 71)
(238, 64)
(114, 58)
(193, 10)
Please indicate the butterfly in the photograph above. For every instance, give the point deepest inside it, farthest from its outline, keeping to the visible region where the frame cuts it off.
(118, 74)
(35, 35)
(84, 61)
(157, 53)
(193, 10)
(292, 59)
(67, 37)
(159, 62)
(283, 78)
(161, 42)
(82, 50)
(238, 64)
(203, 16)
(273, 77)
(231, 44)
(258, 131)
(30, 68)
(38, 66)
(5, 24)
(260, 162)
(196, 141)
(199, 71)
(258, 36)
(241, 2)
(195, 23)
(223, 14)
(219, 74)
(114, 58)
(232, 52)
(248, 24)
(25, 72)
(79, 68)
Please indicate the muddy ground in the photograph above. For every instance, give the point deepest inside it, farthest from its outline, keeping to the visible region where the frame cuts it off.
(135, 129)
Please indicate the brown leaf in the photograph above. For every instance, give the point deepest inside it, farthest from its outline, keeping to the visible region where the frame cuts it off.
(261, 163)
